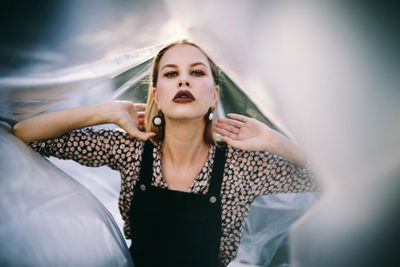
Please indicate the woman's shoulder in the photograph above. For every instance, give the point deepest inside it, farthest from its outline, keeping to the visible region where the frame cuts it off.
(122, 139)
(253, 160)
(116, 134)
(114, 138)
(239, 154)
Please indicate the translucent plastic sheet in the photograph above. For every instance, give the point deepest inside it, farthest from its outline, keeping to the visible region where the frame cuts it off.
(265, 237)
(324, 72)
(48, 219)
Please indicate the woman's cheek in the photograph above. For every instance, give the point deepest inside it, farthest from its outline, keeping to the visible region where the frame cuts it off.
(162, 94)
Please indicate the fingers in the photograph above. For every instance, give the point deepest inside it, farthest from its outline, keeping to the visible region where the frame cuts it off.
(228, 127)
(140, 106)
(224, 132)
(144, 136)
(141, 126)
(137, 117)
(231, 123)
(228, 124)
(238, 117)
(135, 128)
(140, 123)
(141, 135)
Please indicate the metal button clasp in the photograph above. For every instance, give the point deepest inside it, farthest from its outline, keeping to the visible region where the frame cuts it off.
(143, 187)
(213, 199)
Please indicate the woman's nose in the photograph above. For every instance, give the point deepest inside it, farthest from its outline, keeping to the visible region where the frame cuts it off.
(183, 83)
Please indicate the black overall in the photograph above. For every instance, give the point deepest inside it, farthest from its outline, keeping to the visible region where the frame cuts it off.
(174, 228)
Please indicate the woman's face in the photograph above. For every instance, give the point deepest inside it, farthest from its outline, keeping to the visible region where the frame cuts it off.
(185, 87)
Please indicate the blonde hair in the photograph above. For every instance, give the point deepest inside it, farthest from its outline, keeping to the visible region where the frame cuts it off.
(152, 109)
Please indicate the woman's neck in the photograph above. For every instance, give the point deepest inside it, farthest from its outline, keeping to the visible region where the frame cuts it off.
(184, 143)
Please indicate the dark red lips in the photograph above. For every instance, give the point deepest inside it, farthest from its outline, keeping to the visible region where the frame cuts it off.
(183, 96)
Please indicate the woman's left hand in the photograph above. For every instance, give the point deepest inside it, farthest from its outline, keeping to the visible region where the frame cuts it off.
(243, 132)
(249, 134)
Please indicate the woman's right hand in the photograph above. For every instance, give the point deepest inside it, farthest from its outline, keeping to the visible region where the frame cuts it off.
(125, 114)
(55, 123)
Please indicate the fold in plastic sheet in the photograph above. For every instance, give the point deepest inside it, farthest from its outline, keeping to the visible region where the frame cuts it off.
(49, 219)
(265, 237)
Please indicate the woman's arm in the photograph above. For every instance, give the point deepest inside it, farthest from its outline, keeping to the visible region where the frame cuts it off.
(55, 123)
(250, 134)
(276, 165)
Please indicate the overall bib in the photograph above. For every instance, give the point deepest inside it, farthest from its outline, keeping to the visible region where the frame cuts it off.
(174, 228)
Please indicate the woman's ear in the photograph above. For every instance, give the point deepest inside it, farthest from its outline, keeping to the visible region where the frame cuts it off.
(155, 96)
(215, 96)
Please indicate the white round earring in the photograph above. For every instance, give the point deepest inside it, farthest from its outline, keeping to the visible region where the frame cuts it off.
(158, 120)
(209, 115)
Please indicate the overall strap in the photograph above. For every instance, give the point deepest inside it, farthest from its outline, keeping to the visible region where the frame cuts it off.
(146, 167)
(218, 170)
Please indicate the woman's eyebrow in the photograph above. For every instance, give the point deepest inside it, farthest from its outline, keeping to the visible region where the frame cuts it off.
(198, 63)
(175, 66)
(169, 65)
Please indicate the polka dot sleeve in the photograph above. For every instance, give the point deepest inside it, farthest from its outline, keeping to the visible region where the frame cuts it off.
(90, 147)
(267, 173)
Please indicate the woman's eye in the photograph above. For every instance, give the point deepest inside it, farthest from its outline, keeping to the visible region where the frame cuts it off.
(170, 74)
(198, 73)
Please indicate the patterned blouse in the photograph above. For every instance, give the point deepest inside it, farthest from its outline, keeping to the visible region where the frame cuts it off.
(247, 174)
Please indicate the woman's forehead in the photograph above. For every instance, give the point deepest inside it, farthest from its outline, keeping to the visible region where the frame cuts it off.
(183, 55)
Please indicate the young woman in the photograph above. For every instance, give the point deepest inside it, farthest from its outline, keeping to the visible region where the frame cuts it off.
(183, 197)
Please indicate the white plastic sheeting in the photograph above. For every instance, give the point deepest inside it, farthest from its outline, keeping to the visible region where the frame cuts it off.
(324, 71)
(48, 219)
